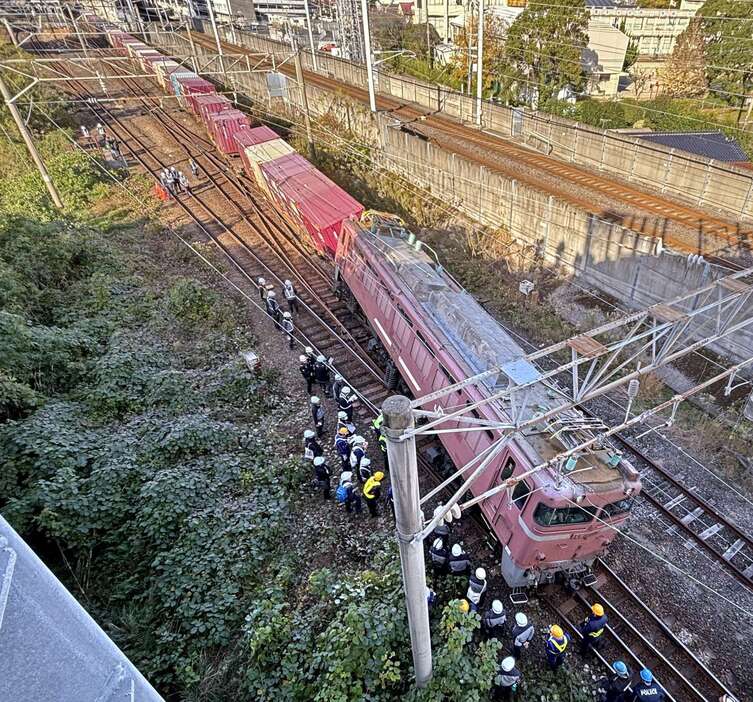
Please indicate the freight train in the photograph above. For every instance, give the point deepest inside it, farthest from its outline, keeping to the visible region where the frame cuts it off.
(555, 523)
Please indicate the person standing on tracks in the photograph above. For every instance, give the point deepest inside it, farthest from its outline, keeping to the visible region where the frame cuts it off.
(287, 327)
(85, 132)
(185, 186)
(616, 687)
(345, 402)
(506, 681)
(311, 447)
(493, 622)
(262, 285)
(171, 184)
(592, 629)
(371, 492)
(337, 385)
(321, 373)
(556, 647)
(522, 635)
(342, 446)
(307, 371)
(476, 588)
(647, 689)
(194, 167)
(290, 296)
(100, 134)
(459, 562)
(317, 414)
(273, 309)
(322, 475)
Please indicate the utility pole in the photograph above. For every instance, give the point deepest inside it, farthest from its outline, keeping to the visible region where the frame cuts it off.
(401, 453)
(480, 62)
(30, 144)
(447, 20)
(305, 102)
(367, 51)
(311, 34)
(78, 31)
(469, 32)
(217, 40)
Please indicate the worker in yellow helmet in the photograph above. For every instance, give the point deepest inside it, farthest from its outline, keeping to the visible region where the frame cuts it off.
(556, 646)
(592, 629)
(464, 606)
(371, 492)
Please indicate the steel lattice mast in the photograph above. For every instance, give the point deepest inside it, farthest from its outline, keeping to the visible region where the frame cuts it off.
(350, 30)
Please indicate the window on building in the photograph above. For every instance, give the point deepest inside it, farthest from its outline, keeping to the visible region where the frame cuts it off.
(619, 507)
(560, 516)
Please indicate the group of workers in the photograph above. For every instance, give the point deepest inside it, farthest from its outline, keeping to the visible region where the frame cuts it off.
(103, 140)
(282, 320)
(174, 182)
(452, 559)
(358, 481)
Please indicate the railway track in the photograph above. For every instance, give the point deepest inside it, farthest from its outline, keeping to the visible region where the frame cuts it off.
(684, 676)
(698, 231)
(282, 255)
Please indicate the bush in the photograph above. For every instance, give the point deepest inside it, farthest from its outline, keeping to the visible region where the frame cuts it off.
(190, 302)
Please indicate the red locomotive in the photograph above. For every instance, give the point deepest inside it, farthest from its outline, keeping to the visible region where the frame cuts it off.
(437, 335)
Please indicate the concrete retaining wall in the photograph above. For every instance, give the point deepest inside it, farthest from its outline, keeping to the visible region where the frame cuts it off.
(697, 181)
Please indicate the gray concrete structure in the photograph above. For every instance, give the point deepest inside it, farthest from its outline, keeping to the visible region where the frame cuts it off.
(50, 648)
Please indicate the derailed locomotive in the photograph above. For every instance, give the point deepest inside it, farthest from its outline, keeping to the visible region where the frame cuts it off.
(552, 523)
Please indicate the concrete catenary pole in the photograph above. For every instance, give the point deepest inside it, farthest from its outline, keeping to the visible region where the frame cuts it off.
(401, 453)
(30, 144)
(311, 34)
(367, 51)
(304, 101)
(217, 40)
(77, 29)
(480, 62)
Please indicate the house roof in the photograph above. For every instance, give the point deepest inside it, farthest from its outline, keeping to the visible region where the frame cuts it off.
(50, 648)
(713, 145)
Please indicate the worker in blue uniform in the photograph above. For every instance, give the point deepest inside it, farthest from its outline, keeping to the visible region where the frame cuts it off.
(556, 646)
(616, 687)
(592, 629)
(647, 689)
(307, 371)
(342, 446)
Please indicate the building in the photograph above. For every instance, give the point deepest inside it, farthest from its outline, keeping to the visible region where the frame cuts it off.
(654, 30)
(713, 145)
(603, 58)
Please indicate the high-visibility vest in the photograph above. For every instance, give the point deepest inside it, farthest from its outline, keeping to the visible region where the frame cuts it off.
(560, 647)
(371, 483)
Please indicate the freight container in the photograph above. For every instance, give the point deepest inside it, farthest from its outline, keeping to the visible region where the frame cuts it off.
(251, 137)
(255, 156)
(205, 105)
(146, 59)
(223, 125)
(316, 203)
(283, 169)
(193, 87)
(153, 61)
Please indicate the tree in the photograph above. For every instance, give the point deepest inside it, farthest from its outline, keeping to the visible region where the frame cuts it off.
(727, 28)
(543, 51)
(631, 53)
(494, 50)
(685, 72)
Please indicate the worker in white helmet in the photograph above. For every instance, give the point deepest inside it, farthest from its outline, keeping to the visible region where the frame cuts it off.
(507, 680)
(493, 621)
(317, 414)
(476, 588)
(522, 635)
(322, 475)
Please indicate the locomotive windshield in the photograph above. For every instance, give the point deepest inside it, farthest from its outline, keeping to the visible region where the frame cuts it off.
(559, 516)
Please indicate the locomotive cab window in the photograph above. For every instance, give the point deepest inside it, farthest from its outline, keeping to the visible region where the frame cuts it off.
(520, 494)
(619, 507)
(558, 516)
(507, 470)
